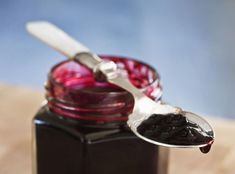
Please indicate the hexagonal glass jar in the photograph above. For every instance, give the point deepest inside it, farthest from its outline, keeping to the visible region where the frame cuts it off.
(82, 127)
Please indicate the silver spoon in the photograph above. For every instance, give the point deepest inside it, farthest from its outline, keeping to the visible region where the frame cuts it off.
(144, 107)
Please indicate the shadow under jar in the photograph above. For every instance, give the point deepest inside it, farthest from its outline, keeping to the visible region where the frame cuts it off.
(82, 127)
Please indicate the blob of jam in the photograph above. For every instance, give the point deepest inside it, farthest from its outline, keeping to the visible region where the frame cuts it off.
(174, 129)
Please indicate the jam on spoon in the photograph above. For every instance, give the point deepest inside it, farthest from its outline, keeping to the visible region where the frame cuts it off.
(175, 129)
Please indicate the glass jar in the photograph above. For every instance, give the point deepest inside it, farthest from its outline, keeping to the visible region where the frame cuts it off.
(82, 129)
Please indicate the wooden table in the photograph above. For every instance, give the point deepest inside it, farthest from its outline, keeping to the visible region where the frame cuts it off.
(18, 105)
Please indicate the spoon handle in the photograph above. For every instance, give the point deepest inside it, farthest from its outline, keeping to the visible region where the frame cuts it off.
(56, 38)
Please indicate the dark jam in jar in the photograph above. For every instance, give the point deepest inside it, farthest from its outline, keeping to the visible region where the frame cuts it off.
(82, 128)
(175, 129)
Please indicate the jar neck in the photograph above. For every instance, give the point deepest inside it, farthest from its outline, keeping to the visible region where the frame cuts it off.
(72, 91)
(89, 107)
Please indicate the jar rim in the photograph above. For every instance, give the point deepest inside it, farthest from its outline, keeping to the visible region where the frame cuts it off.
(73, 91)
(156, 75)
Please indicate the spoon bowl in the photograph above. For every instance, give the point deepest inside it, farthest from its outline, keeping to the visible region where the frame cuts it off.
(137, 117)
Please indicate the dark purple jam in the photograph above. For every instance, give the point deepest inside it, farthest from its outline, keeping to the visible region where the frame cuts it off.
(175, 129)
(206, 148)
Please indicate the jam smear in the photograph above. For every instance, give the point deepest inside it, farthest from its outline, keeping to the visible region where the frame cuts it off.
(175, 129)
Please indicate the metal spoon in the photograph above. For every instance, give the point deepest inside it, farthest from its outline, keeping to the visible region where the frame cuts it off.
(144, 107)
